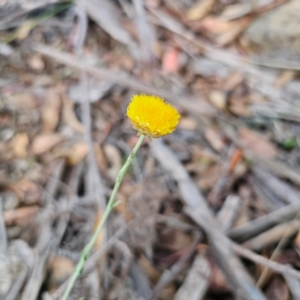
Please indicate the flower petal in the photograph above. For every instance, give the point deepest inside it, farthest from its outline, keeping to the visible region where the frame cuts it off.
(152, 116)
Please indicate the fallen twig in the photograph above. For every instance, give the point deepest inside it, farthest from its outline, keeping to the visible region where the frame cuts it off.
(3, 239)
(169, 275)
(272, 265)
(273, 235)
(260, 224)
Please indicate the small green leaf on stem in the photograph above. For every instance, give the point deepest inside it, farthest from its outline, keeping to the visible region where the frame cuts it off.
(290, 143)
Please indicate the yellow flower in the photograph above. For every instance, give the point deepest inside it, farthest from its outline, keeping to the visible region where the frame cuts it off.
(152, 116)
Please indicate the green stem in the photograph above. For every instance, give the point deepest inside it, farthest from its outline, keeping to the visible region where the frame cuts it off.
(110, 205)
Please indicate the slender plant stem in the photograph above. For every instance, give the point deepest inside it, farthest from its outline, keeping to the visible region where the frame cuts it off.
(110, 205)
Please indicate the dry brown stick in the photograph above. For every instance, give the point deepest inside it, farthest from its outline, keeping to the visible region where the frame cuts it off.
(294, 285)
(198, 106)
(265, 272)
(246, 253)
(35, 281)
(141, 283)
(240, 250)
(225, 180)
(277, 168)
(46, 216)
(94, 182)
(195, 284)
(169, 275)
(214, 197)
(72, 186)
(268, 200)
(174, 223)
(241, 283)
(17, 285)
(37, 277)
(121, 265)
(260, 224)
(196, 206)
(279, 187)
(92, 281)
(64, 215)
(273, 235)
(228, 212)
(272, 265)
(146, 33)
(3, 239)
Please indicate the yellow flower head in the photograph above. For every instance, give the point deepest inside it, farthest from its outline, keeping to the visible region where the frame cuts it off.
(152, 116)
